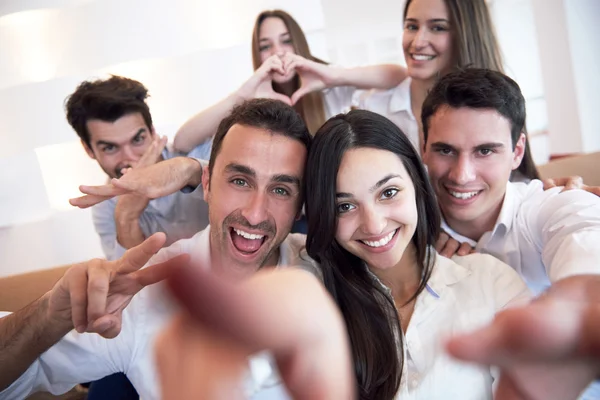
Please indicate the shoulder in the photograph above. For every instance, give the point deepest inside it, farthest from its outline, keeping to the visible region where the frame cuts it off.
(299, 257)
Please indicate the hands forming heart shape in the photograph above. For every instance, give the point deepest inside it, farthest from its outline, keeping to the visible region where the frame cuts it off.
(313, 77)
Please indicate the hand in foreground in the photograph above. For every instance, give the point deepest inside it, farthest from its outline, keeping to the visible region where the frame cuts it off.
(204, 353)
(548, 350)
(150, 182)
(570, 183)
(93, 294)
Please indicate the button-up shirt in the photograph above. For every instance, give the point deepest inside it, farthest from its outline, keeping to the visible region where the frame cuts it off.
(461, 295)
(544, 235)
(179, 215)
(395, 105)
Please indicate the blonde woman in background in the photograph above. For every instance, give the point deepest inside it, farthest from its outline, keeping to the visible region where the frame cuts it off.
(286, 70)
(439, 36)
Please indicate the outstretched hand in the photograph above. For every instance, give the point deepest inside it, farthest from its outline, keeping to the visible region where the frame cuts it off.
(150, 182)
(204, 352)
(548, 350)
(93, 294)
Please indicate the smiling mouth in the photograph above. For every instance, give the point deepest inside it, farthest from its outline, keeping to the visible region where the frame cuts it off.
(381, 242)
(422, 57)
(463, 195)
(246, 242)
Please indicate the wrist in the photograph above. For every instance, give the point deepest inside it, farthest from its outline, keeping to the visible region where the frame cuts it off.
(339, 77)
(60, 322)
(193, 172)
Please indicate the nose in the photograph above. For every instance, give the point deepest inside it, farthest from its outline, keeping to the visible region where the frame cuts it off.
(129, 154)
(463, 171)
(421, 38)
(373, 222)
(255, 211)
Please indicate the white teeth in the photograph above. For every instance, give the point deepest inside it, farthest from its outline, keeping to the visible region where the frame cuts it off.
(422, 57)
(246, 235)
(380, 242)
(463, 196)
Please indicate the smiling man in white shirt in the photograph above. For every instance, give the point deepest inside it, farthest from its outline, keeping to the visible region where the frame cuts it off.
(473, 122)
(253, 188)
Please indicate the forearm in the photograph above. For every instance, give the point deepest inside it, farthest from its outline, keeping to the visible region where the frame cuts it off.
(127, 221)
(204, 125)
(24, 336)
(384, 76)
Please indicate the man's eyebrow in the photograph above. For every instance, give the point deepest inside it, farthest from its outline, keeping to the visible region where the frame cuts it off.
(491, 145)
(442, 145)
(240, 169)
(284, 178)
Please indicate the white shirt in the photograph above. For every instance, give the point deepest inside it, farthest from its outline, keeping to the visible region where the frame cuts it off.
(180, 215)
(544, 235)
(338, 100)
(88, 357)
(462, 294)
(394, 104)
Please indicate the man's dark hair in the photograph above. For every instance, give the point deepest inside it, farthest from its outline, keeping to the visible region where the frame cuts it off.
(477, 88)
(271, 115)
(105, 100)
(482, 89)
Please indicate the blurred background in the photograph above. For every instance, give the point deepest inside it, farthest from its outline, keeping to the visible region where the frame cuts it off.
(191, 53)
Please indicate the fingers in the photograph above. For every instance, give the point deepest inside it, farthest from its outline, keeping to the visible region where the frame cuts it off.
(571, 182)
(158, 272)
(108, 326)
(465, 249)
(136, 257)
(187, 354)
(592, 189)
(265, 312)
(154, 151)
(549, 183)
(446, 245)
(108, 190)
(507, 390)
(77, 286)
(88, 200)
(98, 282)
(274, 64)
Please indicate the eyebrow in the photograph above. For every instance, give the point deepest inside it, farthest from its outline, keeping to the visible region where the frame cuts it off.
(283, 178)
(491, 145)
(429, 20)
(240, 169)
(380, 183)
(267, 39)
(107, 143)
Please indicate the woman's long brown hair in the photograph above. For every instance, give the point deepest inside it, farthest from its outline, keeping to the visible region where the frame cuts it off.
(311, 106)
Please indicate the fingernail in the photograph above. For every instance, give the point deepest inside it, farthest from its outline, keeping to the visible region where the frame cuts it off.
(80, 328)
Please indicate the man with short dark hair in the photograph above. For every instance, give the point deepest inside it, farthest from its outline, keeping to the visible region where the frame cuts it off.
(113, 121)
(473, 123)
(253, 189)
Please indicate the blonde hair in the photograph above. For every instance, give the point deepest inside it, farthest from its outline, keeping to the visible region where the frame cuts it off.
(311, 106)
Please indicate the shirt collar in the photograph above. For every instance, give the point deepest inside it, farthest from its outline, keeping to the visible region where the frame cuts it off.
(400, 100)
(503, 223)
(445, 273)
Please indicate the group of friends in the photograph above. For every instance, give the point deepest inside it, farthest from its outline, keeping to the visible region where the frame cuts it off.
(434, 265)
